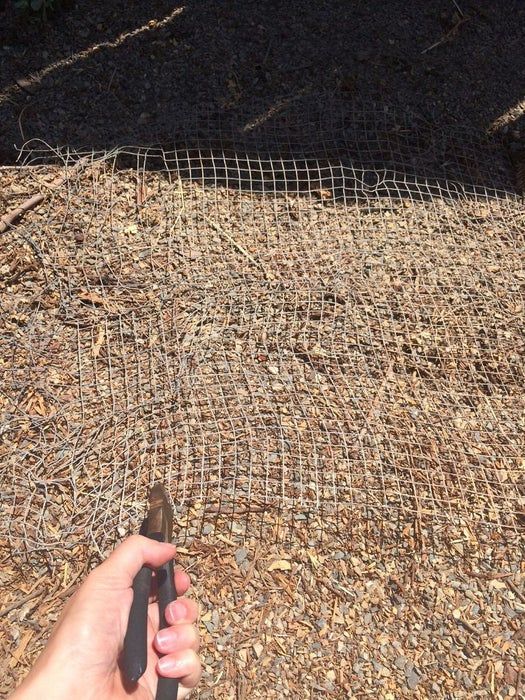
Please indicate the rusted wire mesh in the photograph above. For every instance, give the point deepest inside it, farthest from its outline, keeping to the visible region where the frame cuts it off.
(319, 318)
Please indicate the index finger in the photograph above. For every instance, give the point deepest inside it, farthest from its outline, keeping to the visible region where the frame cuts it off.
(124, 563)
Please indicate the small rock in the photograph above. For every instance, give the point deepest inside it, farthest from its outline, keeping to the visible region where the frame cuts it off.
(467, 683)
(400, 662)
(413, 678)
(378, 667)
(241, 555)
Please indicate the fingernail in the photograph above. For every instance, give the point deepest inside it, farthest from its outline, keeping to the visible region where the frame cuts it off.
(165, 637)
(166, 664)
(177, 610)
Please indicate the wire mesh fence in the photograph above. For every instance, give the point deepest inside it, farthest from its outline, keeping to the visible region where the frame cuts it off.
(311, 319)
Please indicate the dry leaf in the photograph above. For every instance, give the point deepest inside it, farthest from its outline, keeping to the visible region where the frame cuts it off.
(510, 674)
(19, 652)
(96, 299)
(92, 298)
(280, 565)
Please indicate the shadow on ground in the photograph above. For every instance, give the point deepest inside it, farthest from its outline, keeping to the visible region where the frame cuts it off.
(164, 73)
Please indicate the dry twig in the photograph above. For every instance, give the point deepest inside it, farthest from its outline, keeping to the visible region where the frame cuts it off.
(20, 601)
(462, 18)
(13, 217)
(235, 244)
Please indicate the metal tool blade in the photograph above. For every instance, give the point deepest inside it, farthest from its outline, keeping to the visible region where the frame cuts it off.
(160, 514)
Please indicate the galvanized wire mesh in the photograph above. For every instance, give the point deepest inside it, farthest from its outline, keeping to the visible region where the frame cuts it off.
(318, 316)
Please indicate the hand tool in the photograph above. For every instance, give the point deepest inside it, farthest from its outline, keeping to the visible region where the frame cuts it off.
(157, 525)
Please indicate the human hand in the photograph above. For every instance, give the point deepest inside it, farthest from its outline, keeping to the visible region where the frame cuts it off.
(81, 657)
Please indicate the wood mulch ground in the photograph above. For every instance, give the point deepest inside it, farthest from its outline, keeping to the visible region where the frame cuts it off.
(370, 616)
(320, 557)
(331, 389)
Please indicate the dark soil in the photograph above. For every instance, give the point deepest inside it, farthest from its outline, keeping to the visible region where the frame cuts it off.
(106, 74)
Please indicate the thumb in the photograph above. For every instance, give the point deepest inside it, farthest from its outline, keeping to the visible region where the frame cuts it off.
(124, 563)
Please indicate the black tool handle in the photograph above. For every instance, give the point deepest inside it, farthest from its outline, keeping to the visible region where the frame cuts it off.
(135, 654)
(167, 688)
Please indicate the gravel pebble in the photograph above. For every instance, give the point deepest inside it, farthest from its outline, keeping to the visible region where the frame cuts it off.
(413, 679)
(241, 555)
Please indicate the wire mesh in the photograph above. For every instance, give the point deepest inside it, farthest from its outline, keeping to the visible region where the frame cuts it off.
(316, 316)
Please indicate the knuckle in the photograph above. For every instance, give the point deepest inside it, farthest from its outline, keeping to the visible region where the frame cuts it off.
(93, 579)
(193, 657)
(134, 541)
(193, 638)
(195, 662)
